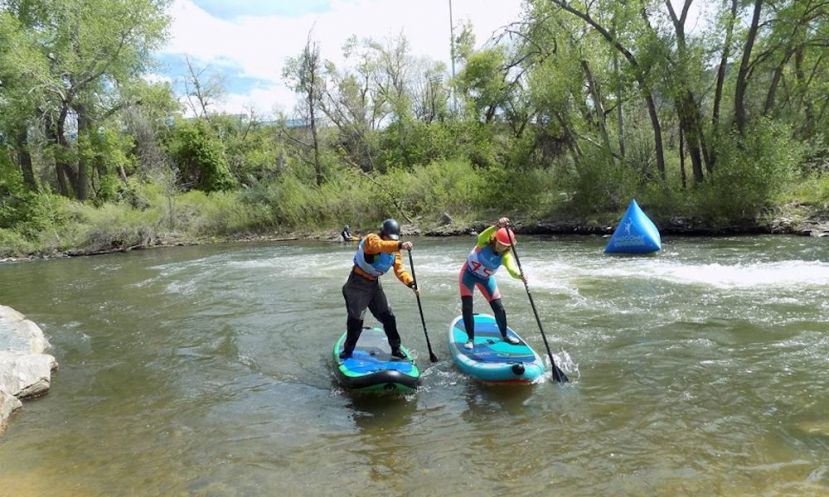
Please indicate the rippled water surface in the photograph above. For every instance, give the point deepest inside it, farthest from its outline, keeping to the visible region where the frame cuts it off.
(205, 371)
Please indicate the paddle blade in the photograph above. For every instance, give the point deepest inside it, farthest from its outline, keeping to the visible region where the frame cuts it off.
(559, 375)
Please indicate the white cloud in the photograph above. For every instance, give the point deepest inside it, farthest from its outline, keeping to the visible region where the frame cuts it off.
(260, 45)
(157, 78)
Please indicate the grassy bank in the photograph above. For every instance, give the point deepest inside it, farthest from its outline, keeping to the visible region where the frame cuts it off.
(147, 214)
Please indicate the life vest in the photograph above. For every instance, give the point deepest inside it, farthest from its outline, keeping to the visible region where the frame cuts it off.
(375, 265)
(483, 262)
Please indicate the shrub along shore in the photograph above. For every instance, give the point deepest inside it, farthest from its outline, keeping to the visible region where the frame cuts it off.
(447, 198)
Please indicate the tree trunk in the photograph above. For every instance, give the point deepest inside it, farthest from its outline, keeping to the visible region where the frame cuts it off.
(620, 118)
(595, 94)
(807, 129)
(690, 116)
(54, 135)
(775, 81)
(84, 131)
(742, 76)
(729, 33)
(640, 78)
(24, 158)
(657, 134)
(317, 164)
(682, 159)
(689, 120)
(312, 60)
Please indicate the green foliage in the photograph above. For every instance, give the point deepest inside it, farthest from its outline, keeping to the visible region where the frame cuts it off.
(110, 226)
(414, 143)
(811, 190)
(296, 204)
(599, 184)
(27, 213)
(751, 170)
(252, 151)
(106, 150)
(442, 186)
(13, 244)
(200, 157)
(11, 190)
(482, 82)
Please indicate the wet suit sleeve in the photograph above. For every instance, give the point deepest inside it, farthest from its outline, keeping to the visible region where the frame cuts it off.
(509, 262)
(375, 245)
(485, 236)
(400, 271)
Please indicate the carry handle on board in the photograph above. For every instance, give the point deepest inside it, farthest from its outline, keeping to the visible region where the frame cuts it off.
(558, 374)
(432, 356)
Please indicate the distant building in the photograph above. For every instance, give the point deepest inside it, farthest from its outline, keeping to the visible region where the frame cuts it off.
(297, 123)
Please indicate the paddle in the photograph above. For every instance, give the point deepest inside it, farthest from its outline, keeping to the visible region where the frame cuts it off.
(558, 374)
(432, 356)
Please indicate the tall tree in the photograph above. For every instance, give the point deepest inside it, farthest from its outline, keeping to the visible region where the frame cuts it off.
(95, 49)
(22, 66)
(640, 71)
(305, 76)
(740, 116)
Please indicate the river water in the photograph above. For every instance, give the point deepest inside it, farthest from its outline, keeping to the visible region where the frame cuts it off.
(205, 371)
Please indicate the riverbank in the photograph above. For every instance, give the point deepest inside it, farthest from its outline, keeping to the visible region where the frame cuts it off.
(797, 222)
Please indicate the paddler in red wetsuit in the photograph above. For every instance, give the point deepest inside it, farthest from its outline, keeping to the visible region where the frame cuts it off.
(489, 253)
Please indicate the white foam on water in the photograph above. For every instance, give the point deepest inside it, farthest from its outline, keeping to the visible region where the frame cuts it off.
(784, 274)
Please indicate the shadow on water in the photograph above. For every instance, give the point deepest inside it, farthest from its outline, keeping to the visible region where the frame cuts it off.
(374, 413)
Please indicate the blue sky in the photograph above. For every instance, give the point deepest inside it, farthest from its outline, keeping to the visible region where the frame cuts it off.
(247, 42)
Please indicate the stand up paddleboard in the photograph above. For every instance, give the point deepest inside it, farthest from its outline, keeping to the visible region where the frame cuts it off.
(492, 359)
(372, 368)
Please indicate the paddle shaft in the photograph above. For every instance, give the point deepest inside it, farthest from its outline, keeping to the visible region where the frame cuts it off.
(432, 356)
(558, 374)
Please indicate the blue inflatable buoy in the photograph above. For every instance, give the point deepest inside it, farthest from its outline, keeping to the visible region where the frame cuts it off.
(636, 234)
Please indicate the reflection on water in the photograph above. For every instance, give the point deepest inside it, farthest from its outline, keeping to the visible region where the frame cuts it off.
(205, 371)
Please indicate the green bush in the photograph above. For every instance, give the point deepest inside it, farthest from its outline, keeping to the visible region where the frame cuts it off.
(219, 214)
(599, 184)
(27, 213)
(200, 157)
(750, 172)
(13, 244)
(110, 226)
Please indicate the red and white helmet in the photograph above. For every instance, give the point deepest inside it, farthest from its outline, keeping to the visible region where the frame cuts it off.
(503, 236)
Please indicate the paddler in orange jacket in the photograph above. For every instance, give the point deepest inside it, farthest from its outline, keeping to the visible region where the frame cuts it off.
(376, 254)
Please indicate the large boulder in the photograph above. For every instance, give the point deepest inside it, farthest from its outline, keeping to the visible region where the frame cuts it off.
(8, 404)
(26, 375)
(25, 370)
(18, 334)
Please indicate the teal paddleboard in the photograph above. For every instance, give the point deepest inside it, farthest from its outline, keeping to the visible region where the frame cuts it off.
(492, 359)
(372, 368)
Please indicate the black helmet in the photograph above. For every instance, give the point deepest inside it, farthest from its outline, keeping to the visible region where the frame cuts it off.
(390, 229)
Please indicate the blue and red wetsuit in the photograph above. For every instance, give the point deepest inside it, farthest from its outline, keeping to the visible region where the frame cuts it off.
(479, 271)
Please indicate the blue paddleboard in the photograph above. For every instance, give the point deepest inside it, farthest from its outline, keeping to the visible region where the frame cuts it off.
(372, 368)
(492, 359)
